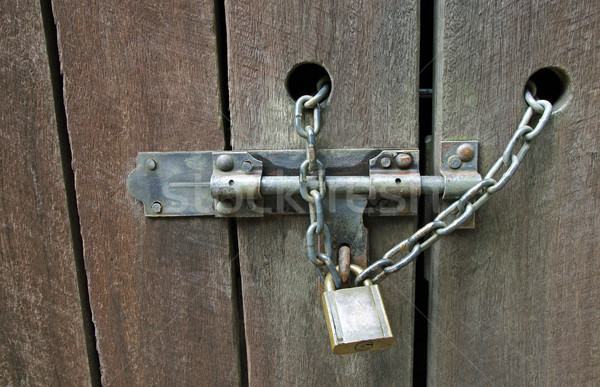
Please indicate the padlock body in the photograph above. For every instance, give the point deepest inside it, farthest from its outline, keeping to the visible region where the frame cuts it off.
(357, 320)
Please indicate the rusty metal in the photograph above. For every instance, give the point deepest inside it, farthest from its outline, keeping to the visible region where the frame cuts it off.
(466, 151)
(304, 167)
(324, 87)
(181, 182)
(233, 188)
(454, 162)
(396, 189)
(459, 177)
(345, 219)
(385, 162)
(299, 117)
(457, 214)
(330, 269)
(344, 263)
(233, 184)
(322, 261)
(224, 207)
(242, 180)
(404, 160)
(224, 163)
(311, 149)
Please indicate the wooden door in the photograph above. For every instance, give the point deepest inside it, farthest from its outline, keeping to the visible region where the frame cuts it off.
(42, 336)
(142, 76)
(370, 52)
(516, 301)
(93, 292)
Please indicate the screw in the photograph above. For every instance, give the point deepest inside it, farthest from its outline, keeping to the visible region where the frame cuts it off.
(247, 166)
(150, 164)
(466, 152)
(224, 163)
(454, 162)
(156, 207)
(404, 160)
(225, 207)
(385, 162)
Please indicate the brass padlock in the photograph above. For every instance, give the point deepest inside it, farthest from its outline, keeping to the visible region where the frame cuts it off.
(356, 317)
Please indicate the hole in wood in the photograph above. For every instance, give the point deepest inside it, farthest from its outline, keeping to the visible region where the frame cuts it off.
(552, 84)
(303, 79)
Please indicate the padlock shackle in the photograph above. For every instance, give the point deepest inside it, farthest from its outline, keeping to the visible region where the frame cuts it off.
(355, 269)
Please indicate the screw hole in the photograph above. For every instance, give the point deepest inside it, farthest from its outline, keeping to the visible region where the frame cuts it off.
(303, 78)
(398, 180)
(231, 182)
(552, 84)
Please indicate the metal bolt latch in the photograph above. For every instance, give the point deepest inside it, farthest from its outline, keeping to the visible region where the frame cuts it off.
(385, 182)
(257, 183)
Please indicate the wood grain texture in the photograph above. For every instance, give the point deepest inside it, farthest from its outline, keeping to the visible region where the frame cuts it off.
(142, 76)
(41, 330)
(515, 302)
(370, 51)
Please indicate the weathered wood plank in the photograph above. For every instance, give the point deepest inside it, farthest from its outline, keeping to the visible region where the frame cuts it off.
(370, 51)
(41, 330)
(142, 76)
(515, 302)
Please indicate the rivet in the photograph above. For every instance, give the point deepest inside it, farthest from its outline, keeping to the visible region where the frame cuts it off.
(246, 166)
(404, 160)
(466, 152)
(224, 163)
(454, 162)
(156, 207)
(385, 162)
(150, 164)
(225, 207)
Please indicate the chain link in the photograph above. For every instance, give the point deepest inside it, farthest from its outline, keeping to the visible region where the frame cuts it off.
(472, 200)
(322, 261)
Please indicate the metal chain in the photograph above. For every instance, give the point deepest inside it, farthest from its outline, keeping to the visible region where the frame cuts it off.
(322, 261)
(472, 200)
